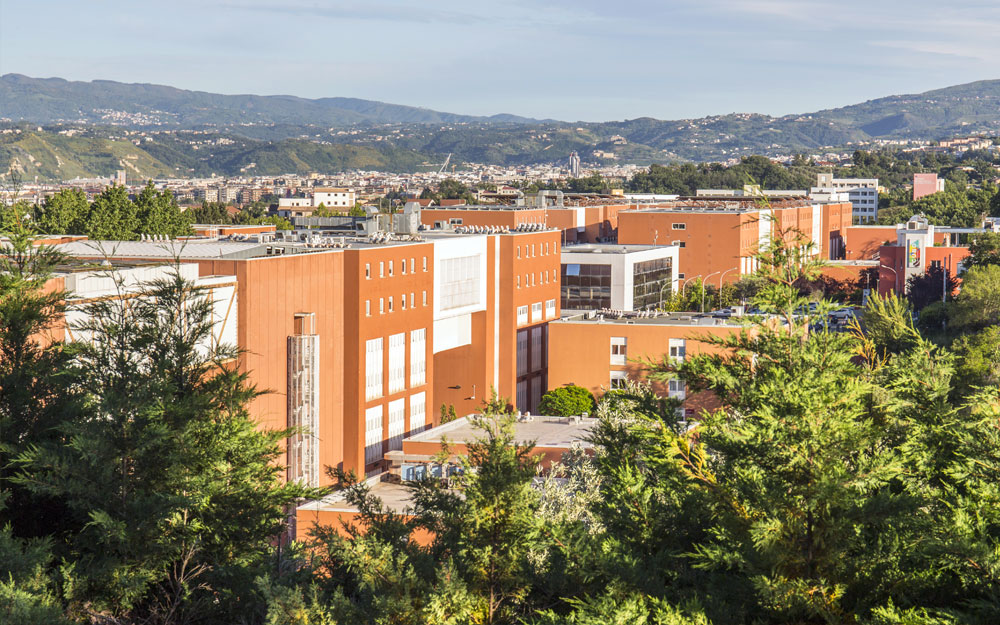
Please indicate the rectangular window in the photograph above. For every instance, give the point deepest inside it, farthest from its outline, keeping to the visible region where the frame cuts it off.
(368, 271)
(418, 412)
(425, 298)
(373, 369)
(459, 282)
(536, 312)
(679, 226)
(678, 348)
(536, 345)
(368, 308)
(413, 265)
(390, 268)
(522, 352)
(550, 308)
(381, 305)
(522, 315)
(532, 250)
(397, 362)
(676, 389)
(518, 281)
(618, 379)
(381, 269)
(373, 435)
(619, 350)
(425, 263)
(397, 423)
(402, 266)
(390, 303)
(518, 248)
(418, 357)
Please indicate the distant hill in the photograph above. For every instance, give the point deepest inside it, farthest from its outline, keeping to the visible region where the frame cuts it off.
(186, 133)
(47, 100)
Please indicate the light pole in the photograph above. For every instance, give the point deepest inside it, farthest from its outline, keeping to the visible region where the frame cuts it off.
(724, 275)
(895, 276)
(684, 286)
(703, 290)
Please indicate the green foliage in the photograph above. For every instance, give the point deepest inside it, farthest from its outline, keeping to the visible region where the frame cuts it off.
(978, 304)
(64, 212)
(567, 401)
(931, 286)
(984, 249)
(957, 205)
(27, 595)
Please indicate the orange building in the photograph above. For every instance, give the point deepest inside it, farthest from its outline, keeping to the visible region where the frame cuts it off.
(599, 353)
(361, 341)
(719, 236)
(920, 246)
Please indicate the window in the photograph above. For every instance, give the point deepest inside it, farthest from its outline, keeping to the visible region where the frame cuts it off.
(518, 278)
(546, 249)
(402, 301)
(368, 271)
(522, 315)
(390, 303)
(390, 268)
(397, 423)
(368, 308)
(373, 435)
(418, 412)
(425, 263)
(532, 250)
(455, 221)
(619, 350)
(618, 379)
(518, 248)
(532, 279)
(381, 269)
(425, 298)
(676, 388)
(413, 265)
(678, 348)
(397, 362)
(459, 282)
(381, 305)
(550, 308)
(678, 226)
(373, 369)
(679, 243)
(522, 352)
(418, 357)
(536, 312)
(402, 266)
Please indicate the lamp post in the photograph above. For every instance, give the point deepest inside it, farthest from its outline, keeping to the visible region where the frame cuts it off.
(703, 290)
(684, 286)
(895, 276)
(724, 275)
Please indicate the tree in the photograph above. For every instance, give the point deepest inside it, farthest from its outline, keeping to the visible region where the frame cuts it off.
(209, 213)
(567, 401)
(157, 213)
(930, 286)
(64, 212)
(172, 486)
(112, 216)
(978, 304)
(984, 249)
(977, 360)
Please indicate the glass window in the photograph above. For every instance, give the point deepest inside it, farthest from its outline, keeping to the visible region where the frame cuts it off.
(397, 362)
(373, 369)
(381, 269)
(652, 282)
(585, 286)
(619, 351)
(368, 271)
(368, 308)
(418, 357)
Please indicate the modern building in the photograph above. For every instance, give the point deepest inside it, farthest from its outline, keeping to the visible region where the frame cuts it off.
(619, 277)
(574, 164)
(926, 184)
(363, 340)
(719, 237)
(862, 192)
(920, 246)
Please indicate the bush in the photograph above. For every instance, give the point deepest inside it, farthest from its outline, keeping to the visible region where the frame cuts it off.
(567, 401)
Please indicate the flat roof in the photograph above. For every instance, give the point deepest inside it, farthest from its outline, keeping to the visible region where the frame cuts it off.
(544, 431)
(609, 248)
(396, 497)
(688, 319)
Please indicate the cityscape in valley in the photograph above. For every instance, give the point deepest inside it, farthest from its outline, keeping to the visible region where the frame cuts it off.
(295, 360)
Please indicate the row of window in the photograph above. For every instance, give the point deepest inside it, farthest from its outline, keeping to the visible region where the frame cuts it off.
(544, 277)
(676, 389)
(402, 267)
(619, 349)
(397, 426)
(536, 312)
(397, 363)
(529, 250)
(391, 301)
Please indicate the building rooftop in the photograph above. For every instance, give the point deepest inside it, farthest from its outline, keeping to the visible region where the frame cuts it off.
(544, 431)
(608, 248)
(648, 318)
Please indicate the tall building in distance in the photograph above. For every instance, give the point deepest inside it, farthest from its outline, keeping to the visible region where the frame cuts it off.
(120, 178)
(574, 164)
(926, 184)
(862, 192)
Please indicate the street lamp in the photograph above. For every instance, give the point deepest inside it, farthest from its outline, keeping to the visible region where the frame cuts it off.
(895, 276)
(703, 290)
(684, 286)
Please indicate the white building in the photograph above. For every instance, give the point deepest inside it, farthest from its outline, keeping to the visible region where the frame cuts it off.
(334, 197)
(863, 193)
(620, 277)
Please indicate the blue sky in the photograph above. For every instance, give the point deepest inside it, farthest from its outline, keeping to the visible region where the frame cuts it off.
(566, 59)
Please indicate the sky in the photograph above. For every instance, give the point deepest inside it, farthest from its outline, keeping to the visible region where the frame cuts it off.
(586, 60)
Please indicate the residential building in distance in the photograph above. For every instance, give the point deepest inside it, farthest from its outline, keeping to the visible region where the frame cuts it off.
(926, 184)
(862, 193)
(574, 164)
(619, 277)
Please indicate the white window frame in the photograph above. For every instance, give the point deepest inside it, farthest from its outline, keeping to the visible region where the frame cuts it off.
(373, 434)
(418, 412)
(373, 369)
(418, 357)
(522, 315)
(536, 312)
(397, 362)
(619, 350)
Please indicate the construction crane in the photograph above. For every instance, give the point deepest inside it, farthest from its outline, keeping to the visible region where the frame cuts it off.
(445, 163)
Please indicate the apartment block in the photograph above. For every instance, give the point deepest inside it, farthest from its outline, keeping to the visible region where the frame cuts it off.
(863, 194)
(926, 184)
